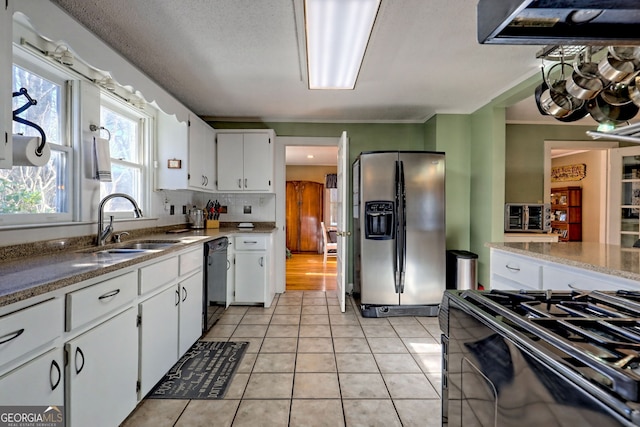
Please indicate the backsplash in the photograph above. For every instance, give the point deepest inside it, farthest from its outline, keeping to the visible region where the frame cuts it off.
(241, 207)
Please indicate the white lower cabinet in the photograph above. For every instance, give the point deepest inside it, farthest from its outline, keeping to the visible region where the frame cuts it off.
(102, 373)
(190, 312)
(518, 272)
(251, 269)
(231, 272)
(251, 274)
(565, 278)
(158, 337)
(514, 272)
(122, 335)
(37, 382)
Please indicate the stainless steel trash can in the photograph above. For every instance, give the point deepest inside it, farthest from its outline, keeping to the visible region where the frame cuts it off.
(462, 269)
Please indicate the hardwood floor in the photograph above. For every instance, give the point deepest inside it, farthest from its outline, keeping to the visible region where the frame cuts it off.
(305, 272)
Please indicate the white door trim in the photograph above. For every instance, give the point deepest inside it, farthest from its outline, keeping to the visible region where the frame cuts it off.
(604, 186)
(280, 243)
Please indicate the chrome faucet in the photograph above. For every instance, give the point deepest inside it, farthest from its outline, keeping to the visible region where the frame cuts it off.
(105, 232)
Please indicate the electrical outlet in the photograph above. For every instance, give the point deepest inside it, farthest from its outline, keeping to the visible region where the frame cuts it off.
(223, 209)
(184, 209)
(172, 210)
(247, 209)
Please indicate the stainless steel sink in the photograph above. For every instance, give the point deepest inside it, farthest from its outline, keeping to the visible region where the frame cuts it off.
(135, 247)
(146, 246)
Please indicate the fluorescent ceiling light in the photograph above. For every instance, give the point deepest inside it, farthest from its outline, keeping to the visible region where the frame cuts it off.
(337, 33)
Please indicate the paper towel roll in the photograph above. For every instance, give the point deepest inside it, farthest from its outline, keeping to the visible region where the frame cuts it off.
(24, 151)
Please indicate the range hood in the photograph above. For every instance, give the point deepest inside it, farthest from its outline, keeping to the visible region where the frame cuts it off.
(563, 22)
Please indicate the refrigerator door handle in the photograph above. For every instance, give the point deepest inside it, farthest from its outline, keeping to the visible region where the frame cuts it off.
(396, 248)
(402, 244)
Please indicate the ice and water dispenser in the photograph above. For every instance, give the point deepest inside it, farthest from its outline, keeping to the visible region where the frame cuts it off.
(379, 220)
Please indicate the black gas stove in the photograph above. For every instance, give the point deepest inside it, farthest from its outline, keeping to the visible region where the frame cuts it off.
(551, 358)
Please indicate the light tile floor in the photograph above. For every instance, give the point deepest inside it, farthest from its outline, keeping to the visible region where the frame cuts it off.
(309, 364)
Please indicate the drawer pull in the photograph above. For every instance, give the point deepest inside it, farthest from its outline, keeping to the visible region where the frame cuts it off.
(184, 294)
(261, 261)
(512, 268)
(54, 384)
(79, 352)
(11, 336)
(109, 294)
(177, 297)
(250, 242)
(239, 183)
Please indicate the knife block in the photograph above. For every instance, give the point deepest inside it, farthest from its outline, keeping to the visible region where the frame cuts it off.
(212, 223)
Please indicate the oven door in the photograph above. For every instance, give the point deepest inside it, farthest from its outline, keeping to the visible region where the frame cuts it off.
(491, 379)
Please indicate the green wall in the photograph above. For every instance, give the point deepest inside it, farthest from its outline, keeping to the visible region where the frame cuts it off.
(524, 161)
(487, 183)
(451, 133)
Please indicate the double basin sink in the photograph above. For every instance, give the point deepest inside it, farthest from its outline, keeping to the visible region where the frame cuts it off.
(132, 249)
(141, 246)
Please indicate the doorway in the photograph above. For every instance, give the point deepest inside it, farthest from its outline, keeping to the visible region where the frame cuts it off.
(594, 186)
(303, 269)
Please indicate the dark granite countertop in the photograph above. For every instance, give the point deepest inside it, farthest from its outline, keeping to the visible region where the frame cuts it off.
(34, 269)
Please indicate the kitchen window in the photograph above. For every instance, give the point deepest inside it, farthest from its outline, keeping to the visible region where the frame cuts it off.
(128, 128)
(33, 195)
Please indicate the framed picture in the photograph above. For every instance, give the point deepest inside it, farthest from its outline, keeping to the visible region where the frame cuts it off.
(174, 164)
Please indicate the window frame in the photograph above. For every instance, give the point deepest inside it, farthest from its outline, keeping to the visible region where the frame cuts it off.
(144, 119)
(48, 71)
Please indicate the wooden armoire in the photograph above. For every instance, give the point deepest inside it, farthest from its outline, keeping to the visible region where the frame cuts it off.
(304, 214)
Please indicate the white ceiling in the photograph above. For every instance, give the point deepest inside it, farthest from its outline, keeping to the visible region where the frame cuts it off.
(321, 155)
(244, 59)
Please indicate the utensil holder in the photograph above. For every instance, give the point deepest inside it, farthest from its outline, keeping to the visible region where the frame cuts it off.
(212, 223)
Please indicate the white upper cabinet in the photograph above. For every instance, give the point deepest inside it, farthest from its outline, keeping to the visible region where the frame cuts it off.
(186, 154)
(245, 160)
(202, 155)
(6, 61)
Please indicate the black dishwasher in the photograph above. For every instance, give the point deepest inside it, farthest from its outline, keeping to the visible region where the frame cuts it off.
(215, 281)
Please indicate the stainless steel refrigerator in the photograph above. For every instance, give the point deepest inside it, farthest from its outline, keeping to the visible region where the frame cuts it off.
(399, 232)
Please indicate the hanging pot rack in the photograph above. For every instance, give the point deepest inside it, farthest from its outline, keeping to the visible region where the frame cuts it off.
(613, 103)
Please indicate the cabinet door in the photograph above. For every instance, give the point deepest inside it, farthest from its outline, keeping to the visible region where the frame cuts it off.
(624, 186)
(190, 312)
(158, 337)
(201, 155)
(250, 277)
(38, 382)
(6, 63)
(231, 277)
(258, 162)
(230, 162)
(509, 271)
(102, 373)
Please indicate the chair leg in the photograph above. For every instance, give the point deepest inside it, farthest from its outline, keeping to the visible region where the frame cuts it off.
(324, 260)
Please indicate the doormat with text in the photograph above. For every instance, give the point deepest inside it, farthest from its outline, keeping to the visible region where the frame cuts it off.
(204, 372)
